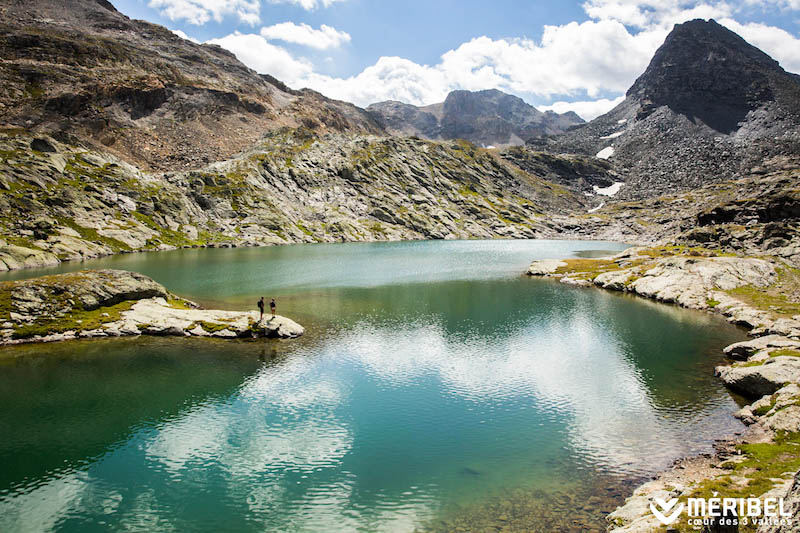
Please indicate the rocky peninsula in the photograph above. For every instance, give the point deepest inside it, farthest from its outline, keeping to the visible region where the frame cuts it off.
(118, 303)
(759, 293)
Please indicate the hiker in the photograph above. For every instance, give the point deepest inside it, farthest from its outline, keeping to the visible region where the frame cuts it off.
(261, 308)
(272, 306)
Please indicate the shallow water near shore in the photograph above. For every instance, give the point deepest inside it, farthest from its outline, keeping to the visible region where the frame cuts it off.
(436, 388)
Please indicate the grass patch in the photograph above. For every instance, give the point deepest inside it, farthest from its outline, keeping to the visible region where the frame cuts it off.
(754, 475)
(165, 235)
(75, 320)
(209, 327)
(467, 191)
(19, 240)
(586, 268)
(179, 303)
(782, 298)
(5, 301)
(377, 228)
(304, 229)
(785, 352)
(764, 409)
(748, 364)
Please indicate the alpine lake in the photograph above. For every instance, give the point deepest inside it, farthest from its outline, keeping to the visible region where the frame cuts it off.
(437, 388)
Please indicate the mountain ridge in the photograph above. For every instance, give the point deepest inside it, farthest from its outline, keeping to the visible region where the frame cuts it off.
(295, 166)
(487, 118)
(86, 73)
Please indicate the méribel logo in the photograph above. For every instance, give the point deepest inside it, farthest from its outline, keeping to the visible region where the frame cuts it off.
(662, 512)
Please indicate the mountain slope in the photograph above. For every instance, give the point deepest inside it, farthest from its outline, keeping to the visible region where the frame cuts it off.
(709, 107)
(120, 136)
(58, 202)
(487, 118)
(84, 72)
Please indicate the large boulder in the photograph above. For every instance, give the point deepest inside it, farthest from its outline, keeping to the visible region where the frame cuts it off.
(755, 381)
(687, 280)
(544, 267)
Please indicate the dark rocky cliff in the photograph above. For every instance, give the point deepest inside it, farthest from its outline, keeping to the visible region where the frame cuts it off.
(709, 107)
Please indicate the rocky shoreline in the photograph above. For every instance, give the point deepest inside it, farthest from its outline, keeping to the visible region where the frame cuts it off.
(748, 291)
(117, 303)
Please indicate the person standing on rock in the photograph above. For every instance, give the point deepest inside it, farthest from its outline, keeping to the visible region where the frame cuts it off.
(261, 308)
(272, 306)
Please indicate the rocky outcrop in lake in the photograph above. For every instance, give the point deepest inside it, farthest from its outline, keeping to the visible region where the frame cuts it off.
(115, 303)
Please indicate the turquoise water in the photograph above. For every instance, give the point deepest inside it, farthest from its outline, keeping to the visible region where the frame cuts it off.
(436, 386)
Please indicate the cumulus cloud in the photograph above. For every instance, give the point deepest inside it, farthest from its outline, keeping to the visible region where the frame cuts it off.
(255, 52)
(778, 43)
(323, 38)
(308, 5)
(782, 4)
(584, 67)
(183, 35)
(588, 58)
(199, 12)
(648, 14)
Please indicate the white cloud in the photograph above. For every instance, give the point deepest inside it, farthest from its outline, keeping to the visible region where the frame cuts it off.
(199, 12)
(255, 52)
(183, 35)
(575, 61)
(323, 38)
(780, 44)
(391, 78)
(648, 14)
(308, 5)
(587, 109)
(782, 4)
(588, 58)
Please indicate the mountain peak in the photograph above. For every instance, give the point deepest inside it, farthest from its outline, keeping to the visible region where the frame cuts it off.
(707, 72)
(489, 117)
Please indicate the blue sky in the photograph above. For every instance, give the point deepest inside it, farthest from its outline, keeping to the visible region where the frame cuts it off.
(557, 55)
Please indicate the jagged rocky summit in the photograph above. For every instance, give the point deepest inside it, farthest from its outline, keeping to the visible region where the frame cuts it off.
(710, 107)
(486, 118)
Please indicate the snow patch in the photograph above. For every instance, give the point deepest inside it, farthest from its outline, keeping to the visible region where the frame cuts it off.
(623, 121)
(611, 190)
(592, 210)
(605, 153)
(613, 135)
